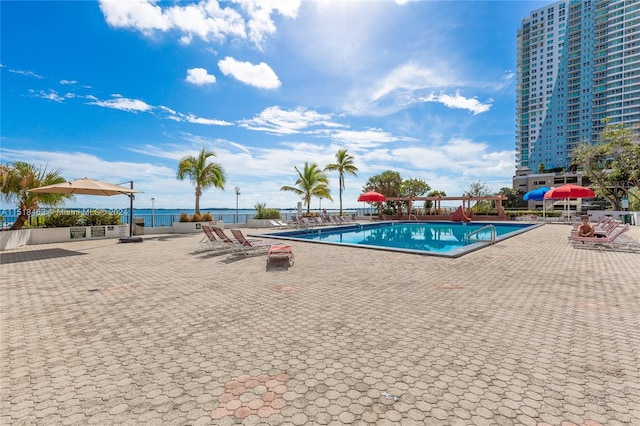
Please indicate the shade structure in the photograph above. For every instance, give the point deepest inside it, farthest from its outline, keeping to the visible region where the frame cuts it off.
(536, 194)
(372, 197)
(569, 190)
(86, 186)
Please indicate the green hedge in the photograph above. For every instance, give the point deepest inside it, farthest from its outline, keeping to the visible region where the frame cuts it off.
(74, 218)
(262, 212)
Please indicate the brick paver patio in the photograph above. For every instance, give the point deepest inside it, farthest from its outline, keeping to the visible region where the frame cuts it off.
(529, 331)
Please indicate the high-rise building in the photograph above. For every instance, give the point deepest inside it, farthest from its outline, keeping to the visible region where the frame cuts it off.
(578, 64)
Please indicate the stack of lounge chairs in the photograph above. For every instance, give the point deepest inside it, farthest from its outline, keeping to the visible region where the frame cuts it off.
(608, 235)
(314, 221)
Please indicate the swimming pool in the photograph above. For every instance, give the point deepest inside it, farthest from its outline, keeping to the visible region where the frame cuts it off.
(448, 239)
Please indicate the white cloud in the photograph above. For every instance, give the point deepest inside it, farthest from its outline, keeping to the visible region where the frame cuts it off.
(399, 89)
(205, 19)
(68, 82)
(260, 23)
(458, 101)
(25, 73)
(278, 121)
(358, 140)
(190, 118)
(124, 104)
(411, 77)
(200, 77)
(261, 75)
(51, 95)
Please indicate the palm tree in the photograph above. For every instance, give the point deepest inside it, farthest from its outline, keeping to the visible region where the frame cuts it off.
(202, 174)
(344, 164)
(311, 182)
(16, 180)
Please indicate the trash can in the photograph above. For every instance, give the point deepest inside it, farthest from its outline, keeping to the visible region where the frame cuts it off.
(138, 226)
(626, 218)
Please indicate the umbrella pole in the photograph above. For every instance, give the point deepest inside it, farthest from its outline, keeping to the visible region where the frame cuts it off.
(131, 212)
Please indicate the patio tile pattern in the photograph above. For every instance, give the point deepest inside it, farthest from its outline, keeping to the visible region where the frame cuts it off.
(529, 331)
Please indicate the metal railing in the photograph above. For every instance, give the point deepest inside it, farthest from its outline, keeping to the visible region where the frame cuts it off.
(492, 234)
(156, 220)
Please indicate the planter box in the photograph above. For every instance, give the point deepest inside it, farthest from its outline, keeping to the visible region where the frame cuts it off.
(192, 227)
(23, 237)
(259, 223)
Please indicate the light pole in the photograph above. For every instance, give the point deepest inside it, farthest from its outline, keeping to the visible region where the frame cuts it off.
(153, 212)
(320, 206)
(237, 189)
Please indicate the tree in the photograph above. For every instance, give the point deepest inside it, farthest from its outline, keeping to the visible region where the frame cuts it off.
(388, 183)
(612, 164)
(16, 180)
(311, 182)
(414, 187)
(514, 197)
(202, 174)
(344, 164)
(479, 189)
(429, 203)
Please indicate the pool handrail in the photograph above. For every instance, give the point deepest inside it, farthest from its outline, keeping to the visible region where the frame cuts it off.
(491, 227)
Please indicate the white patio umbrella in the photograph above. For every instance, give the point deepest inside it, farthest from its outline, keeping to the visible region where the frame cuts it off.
(86, 186)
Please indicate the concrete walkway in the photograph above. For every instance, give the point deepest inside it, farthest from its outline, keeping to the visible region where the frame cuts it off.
(529, 331)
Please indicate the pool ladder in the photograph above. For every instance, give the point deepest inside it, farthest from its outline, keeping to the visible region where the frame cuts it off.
(490, 227)
(414, 216)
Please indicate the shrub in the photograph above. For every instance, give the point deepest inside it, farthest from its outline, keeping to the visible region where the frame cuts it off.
(101, 217)
(203, 217)
(262, 212)
(63, 219)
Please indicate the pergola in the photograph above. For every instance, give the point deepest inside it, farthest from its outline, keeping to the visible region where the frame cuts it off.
(467, 200)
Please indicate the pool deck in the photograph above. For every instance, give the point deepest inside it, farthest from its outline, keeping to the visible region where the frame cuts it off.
(529, 331)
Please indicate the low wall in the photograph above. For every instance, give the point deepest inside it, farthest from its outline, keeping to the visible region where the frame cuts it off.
(15, 238)
(30, 236)
(191, 227)
(596, 215)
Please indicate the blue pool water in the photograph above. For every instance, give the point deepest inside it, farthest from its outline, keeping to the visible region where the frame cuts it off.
(449, 239)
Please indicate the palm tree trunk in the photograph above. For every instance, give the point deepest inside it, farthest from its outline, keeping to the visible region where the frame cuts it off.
(341, 183)
(22, 218)
(198, 192)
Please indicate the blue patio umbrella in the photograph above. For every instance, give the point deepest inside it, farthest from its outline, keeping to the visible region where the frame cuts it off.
(537, 195)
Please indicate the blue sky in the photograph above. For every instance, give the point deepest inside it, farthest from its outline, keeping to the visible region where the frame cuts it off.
(121, 90)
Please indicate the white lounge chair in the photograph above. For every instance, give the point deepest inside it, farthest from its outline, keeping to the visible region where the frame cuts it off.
(246, 247)
(603, 242)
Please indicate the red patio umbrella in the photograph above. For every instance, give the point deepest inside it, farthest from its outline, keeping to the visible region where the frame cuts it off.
(372, 197)
(569, 191)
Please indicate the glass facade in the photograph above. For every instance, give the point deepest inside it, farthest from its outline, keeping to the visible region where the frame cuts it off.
(578, 63)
